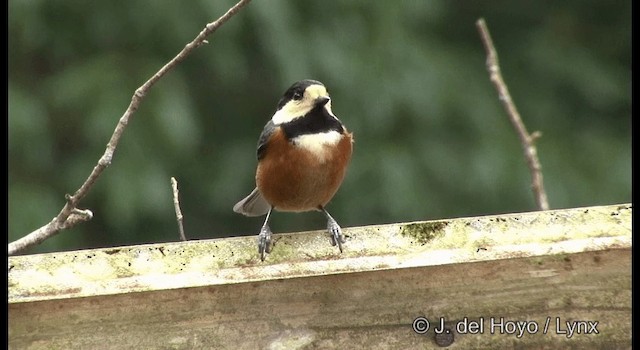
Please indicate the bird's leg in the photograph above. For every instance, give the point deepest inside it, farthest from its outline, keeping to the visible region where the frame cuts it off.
(334, 230)
(264, 237)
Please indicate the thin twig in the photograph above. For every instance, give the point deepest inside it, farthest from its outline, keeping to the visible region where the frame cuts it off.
(527, 140)
(60, 222)
(176, 205)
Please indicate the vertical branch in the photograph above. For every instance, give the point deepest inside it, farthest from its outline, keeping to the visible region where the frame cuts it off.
(527, 140)
(176, 205)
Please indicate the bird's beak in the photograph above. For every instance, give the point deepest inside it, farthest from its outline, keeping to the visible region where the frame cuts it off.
(322, 100)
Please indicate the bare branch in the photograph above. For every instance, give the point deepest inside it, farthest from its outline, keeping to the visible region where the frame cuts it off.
(63, 220)
(526, 139)
(176, 205)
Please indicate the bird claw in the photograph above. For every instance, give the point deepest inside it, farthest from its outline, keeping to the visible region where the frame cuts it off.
(336, 234)
(264, 242)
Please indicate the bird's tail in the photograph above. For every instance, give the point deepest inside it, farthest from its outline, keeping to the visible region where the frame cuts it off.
(252, 205)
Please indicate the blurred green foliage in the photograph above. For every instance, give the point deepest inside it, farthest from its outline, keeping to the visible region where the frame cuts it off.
(407, 77)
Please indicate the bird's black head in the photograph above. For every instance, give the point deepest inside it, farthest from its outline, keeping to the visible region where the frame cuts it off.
(300, 99)
(296, 91)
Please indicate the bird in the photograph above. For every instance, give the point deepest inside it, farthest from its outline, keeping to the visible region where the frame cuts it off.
(303, 153)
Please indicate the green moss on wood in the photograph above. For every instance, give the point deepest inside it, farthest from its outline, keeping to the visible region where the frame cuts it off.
(424, 232)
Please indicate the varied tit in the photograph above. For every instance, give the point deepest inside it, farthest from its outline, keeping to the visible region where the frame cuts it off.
(303, 153)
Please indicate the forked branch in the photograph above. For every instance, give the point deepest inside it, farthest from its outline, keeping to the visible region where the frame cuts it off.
(70, 214)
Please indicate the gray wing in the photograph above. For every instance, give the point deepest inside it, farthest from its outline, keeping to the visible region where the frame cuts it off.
(252, 205)
(269, 128)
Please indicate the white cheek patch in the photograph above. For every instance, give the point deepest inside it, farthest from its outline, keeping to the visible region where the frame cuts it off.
(291, 111)
(318, 143)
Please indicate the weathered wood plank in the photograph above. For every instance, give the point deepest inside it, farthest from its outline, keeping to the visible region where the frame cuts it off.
(566, 266)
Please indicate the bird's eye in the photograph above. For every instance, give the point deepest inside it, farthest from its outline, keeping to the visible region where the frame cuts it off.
(297, 95)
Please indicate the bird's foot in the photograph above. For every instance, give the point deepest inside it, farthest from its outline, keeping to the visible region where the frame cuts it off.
(337, 238)
(264, 241)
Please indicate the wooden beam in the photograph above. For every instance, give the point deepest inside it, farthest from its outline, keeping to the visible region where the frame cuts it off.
(513, 275)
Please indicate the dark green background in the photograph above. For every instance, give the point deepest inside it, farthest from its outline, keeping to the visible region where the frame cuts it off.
(407, 77)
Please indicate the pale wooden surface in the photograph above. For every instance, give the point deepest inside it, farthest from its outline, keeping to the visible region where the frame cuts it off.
(572, 264)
